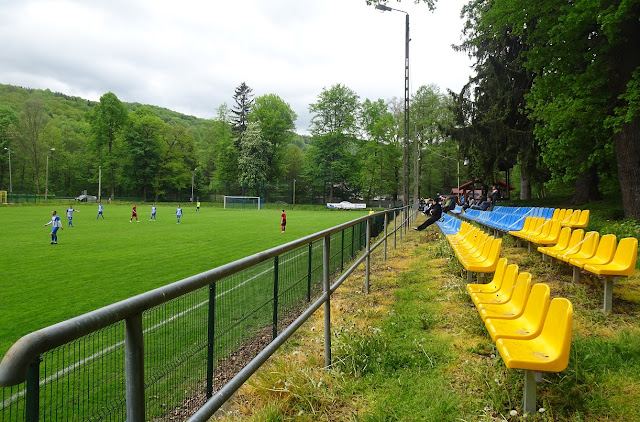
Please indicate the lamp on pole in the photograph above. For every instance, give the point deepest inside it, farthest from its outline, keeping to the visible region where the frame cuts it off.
(10, 181)
(46, 180)
(405, 146)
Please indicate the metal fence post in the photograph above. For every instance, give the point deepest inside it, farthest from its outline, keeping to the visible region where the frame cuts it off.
(211, 336)
(386, 222)
(342, 251)
(309, 273)
(32, 400)
(368, 260)
(326, 251)
(395, 228)
(134, 368)
(353, 239)
(275, 297)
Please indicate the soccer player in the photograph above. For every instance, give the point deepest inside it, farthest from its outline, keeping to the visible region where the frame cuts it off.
(56, 224)
(100, 211)
(153, 213)
(134, 213)
(198, 205)
(70, 212)
(283, 222)
(178, 213)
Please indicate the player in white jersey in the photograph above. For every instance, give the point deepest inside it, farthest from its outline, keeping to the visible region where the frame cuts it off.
(70, 212)
(100, 211)
(153, 213)
(178, 213)
(56, 224)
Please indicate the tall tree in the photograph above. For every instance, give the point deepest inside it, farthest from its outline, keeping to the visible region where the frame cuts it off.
(107, 121)
(142, 140)
(330, 159)
(8, 126)
(243, 98)
(253, 162)
(34, 120)
(277, 122)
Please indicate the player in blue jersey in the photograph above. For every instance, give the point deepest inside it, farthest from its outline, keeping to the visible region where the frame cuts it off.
(56, 224)
(153, 213)
(100, 211)
(70, 212)
(178, 213)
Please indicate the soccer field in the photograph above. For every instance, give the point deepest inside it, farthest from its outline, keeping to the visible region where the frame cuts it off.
(98, 262)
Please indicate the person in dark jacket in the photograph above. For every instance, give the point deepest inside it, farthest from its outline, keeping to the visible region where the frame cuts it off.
(436, 214)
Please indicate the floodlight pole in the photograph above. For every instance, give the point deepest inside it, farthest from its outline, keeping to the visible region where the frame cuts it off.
(99, 183)
(192, 179)
(10, 181)
(46, 179)
(405, 146)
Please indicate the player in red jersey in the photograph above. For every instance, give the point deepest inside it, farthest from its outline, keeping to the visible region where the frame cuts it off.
(134, 213)
(283, 222)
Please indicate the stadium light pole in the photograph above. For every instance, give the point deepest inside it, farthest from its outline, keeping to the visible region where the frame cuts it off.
(10, 181)
(46, 179)
(405, 146)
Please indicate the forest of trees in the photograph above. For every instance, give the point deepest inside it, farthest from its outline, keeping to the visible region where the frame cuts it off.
(251, 148)
(554, 100)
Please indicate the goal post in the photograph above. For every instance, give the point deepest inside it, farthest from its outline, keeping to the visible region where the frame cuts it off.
(243, 202)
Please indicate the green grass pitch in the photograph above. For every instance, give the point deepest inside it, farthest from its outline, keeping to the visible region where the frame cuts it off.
(98, 262)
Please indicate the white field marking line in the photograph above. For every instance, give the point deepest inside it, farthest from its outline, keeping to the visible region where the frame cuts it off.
(81, 362)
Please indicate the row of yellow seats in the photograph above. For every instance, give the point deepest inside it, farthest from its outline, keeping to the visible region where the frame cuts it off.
(547, 231)
(476, 250)
(596, 254)
(530, 332)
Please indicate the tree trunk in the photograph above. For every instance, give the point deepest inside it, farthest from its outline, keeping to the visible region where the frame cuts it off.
(627, 143)
(525, 183)
(586, 187)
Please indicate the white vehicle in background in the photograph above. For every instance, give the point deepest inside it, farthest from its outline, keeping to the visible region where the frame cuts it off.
(345, 205)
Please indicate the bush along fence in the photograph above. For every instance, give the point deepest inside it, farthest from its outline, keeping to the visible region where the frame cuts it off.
(193, 341)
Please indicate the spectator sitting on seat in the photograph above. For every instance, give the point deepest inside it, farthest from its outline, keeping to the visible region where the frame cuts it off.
(421, 205)
(436, 214)
(428, 206)
(450, 204)
(482, 204)
(494, 196)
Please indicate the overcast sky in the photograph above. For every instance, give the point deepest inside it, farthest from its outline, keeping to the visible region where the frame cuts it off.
(189, 55)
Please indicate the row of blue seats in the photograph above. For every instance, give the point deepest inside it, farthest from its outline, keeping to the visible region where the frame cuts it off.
(506, 218)
(449, 224)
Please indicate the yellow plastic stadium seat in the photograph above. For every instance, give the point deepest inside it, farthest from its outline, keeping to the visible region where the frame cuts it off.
(488, 262)
(494, 285)
(573, 246)
(541, 230)
(624, 260)
(572, 219)
(515, 306)
(529, 324)
(477, 250)
(563, 242)
(583, 221)
(506, 290)
(604, 253)
(552, 236)
(548, 352)
(471, 244)
(586, 250)
(525, 227)
(556, 214)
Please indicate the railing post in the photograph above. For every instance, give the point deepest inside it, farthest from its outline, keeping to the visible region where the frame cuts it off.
(386, 222)
(211, 335)
(342, 251)
(368, 260)
(134, 368)
(309, 269)
(326, 243)
(32, 400)
(401, 223)
(395, 229)
(275, 297)
(353, 239)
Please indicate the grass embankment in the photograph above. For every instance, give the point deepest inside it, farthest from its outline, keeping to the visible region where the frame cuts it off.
(416, 349)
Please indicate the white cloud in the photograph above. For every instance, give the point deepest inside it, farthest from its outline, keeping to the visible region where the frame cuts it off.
(189, 56)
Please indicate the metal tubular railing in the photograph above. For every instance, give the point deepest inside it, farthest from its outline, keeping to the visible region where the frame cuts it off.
(140, 358)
